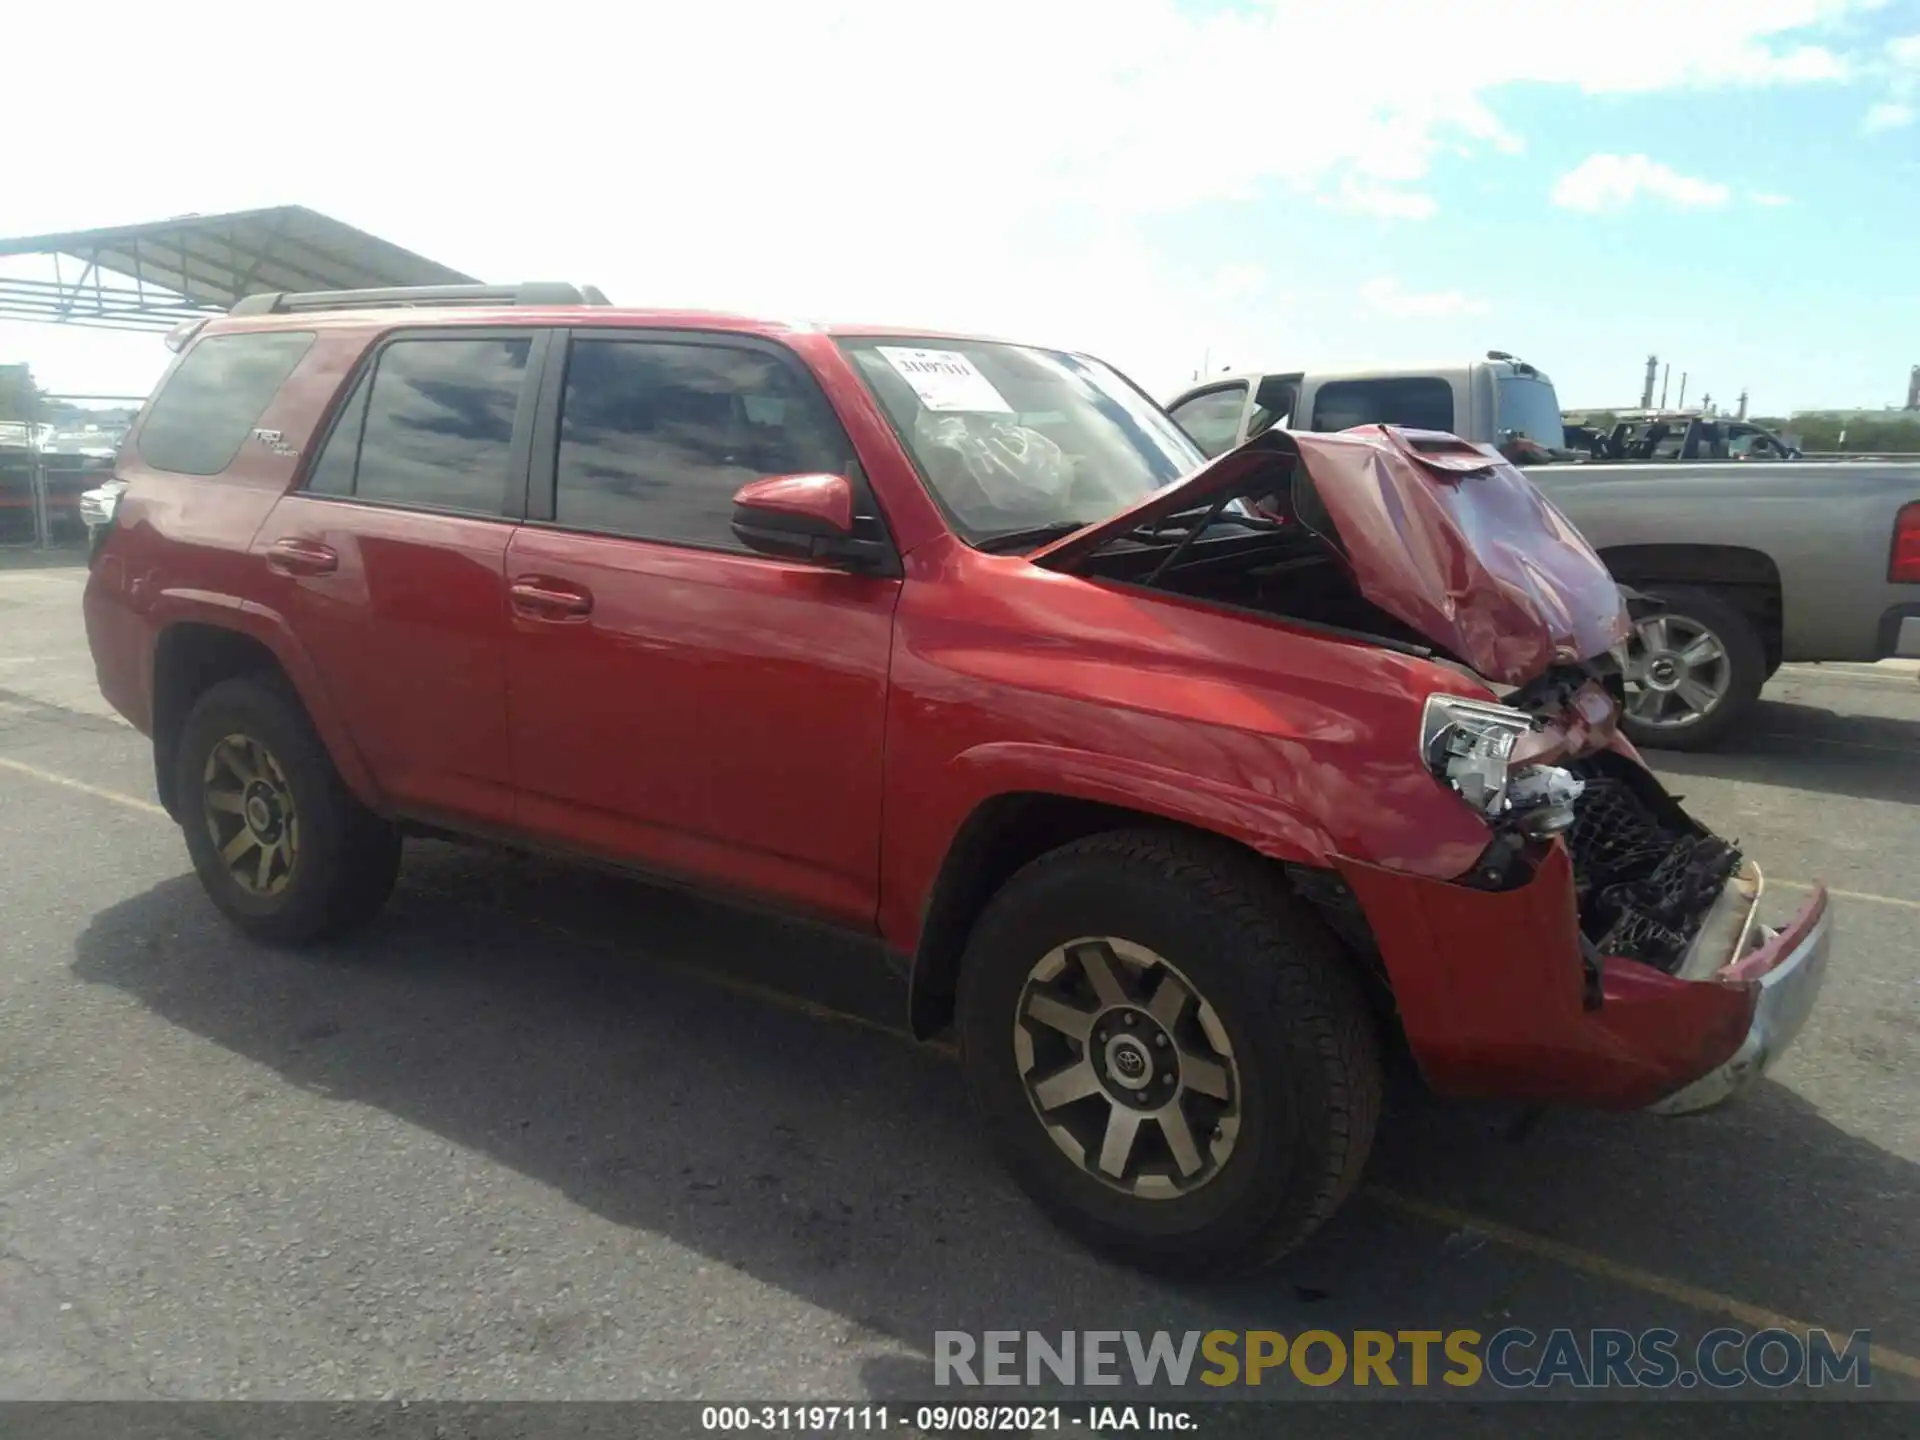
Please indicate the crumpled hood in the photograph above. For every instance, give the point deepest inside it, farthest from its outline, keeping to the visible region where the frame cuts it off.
(1443, 535)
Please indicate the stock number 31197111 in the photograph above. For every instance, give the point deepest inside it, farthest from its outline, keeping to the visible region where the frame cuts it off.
(923, 1419)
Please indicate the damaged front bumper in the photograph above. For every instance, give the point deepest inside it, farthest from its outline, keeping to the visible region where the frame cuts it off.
(1498, 1000)
(1787, 966)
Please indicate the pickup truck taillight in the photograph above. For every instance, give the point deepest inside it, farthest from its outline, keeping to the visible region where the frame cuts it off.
(1904, 566)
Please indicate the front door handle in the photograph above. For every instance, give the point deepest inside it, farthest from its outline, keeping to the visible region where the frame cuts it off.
(539, 598)
(301, 557)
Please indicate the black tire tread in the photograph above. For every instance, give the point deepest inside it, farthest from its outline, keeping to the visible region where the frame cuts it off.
(1304, 983)
(356, 854)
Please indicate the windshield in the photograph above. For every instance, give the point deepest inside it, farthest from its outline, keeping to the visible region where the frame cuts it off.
(1010, 438)
(1530, 407)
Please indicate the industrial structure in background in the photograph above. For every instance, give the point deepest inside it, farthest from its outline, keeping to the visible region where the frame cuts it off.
(152, 277)
(1664, 374)
(1887, 430)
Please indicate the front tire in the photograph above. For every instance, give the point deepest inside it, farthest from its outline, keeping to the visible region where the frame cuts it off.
(280, 844)
(1694, 671)
(1169, 1051)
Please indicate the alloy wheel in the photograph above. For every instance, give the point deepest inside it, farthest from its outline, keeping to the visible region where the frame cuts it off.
(1128, 1067)
(250, 813)
(1678, 672)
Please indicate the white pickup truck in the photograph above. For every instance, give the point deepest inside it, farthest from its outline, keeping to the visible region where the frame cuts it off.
(1752, 564)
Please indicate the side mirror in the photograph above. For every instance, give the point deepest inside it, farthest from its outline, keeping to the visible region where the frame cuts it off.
(806, 517)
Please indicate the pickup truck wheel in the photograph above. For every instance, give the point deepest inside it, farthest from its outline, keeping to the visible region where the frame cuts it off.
(1169, 1051)
(280, 844)
(1693, 671)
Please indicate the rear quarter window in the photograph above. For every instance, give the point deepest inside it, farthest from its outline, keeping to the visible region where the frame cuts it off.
(204, 412)
(1414, 402)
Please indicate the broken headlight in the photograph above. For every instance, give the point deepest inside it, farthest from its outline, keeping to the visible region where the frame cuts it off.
(97, 505)
(1469, 745)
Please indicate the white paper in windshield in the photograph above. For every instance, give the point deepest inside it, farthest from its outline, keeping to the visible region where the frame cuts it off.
(945, 380)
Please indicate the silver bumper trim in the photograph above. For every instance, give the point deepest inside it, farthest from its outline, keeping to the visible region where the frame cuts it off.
(1787, 993)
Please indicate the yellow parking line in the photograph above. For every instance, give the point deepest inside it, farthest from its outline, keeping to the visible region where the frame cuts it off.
(1711, 1302)
(99, 792)
(1866, 895)
(1542, 1247)
(148, 807)
(1842, 744)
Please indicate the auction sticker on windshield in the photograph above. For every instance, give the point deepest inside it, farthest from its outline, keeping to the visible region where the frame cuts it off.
(945, 380)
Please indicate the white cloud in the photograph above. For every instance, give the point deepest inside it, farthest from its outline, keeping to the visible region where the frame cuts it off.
(1771, 199)
(1238, 282)
(1389, 202)
(1602, 183)
(1900, 69)
(1385, 297)
(757, 156)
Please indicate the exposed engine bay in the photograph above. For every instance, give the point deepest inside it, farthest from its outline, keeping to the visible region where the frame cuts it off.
(1646, 874)
(1259, 556)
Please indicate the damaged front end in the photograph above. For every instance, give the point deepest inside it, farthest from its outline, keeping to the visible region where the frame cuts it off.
(1646, 875)
(1607, 948)
(1604, 949)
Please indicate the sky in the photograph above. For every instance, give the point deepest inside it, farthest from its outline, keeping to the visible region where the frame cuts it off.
(1733, 185)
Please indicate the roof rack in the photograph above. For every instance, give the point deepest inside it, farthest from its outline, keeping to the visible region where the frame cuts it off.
(536, 292)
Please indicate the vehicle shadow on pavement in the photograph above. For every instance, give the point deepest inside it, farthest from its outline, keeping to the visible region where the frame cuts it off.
(1797, 746)
(546, 1018)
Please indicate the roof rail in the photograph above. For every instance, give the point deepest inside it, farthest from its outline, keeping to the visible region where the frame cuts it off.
(535, 292)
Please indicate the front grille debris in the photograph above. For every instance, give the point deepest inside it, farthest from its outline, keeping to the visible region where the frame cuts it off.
(1644, 890)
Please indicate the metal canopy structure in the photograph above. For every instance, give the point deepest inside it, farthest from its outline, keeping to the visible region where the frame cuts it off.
(151, 277)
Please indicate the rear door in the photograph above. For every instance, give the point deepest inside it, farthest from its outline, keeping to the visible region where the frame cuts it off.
(391, 556)
(676, 700)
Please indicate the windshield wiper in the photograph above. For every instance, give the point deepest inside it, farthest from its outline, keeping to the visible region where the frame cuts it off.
(1030, 538)
(1188, 524)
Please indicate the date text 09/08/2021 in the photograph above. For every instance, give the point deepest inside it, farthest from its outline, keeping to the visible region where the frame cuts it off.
(942, 1419)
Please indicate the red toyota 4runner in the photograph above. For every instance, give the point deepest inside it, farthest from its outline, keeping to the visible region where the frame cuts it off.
(1179, 787)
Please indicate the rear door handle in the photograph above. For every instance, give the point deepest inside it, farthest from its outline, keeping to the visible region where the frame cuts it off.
(301, 557)
(539, 598)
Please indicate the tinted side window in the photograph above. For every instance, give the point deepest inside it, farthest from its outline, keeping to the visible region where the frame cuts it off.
(656, 438)
(439, 423)
(1420, 402)
(1273, 405)
(332, 473)
(202, 415)
(1212, 420)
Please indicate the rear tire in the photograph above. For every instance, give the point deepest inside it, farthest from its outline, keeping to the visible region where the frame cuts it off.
(1734, 678)
(1266, 1008)
(280, 844)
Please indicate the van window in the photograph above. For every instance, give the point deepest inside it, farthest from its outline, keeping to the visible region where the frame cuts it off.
(215, 397)
(1417, 402)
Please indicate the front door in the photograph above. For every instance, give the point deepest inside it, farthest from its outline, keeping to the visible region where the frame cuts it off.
(391, 563)
(675, 700)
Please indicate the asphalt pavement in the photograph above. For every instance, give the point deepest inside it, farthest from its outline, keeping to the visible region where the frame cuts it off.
(547, 1134)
